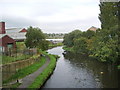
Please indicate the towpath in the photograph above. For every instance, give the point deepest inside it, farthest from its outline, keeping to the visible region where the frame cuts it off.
(28, 80)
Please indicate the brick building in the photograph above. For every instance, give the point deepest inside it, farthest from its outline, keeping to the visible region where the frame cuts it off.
(93, 29)
(6, 42)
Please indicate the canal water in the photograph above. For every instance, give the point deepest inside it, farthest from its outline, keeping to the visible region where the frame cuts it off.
(77, 71)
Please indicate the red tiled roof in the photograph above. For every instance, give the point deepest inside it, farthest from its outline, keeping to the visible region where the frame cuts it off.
(23, 30)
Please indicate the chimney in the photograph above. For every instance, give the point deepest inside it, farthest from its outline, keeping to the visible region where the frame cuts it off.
(2, 28)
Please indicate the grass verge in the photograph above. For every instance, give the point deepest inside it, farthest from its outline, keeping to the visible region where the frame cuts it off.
(68, 49)
(39, 81)
(10, 87)
(55, 45)
(26, 71)
(8, 59)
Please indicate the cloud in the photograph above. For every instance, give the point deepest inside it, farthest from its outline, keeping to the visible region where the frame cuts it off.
(74, 13)
(51, 15)
(70, 26)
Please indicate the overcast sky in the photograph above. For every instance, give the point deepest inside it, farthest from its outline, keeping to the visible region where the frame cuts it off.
(58, 16)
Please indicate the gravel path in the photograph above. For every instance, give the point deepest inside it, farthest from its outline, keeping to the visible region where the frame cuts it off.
(28, 80)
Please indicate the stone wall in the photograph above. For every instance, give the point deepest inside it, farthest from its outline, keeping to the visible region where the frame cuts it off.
(9, 69)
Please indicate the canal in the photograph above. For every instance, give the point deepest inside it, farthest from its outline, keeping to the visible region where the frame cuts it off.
(77, 71)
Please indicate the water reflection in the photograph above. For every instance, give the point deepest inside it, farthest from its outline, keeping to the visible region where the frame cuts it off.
(105, 74)
(77, 71)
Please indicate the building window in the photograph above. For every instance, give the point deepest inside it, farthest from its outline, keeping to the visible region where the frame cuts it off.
(10, 45)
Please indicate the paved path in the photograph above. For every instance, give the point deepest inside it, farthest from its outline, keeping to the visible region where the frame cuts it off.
(28, 80)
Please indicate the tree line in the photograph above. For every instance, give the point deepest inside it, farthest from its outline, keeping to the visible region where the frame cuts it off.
(54, 35)
(104, 44)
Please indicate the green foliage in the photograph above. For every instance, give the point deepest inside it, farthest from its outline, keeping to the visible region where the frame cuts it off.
(68, 49)
(104, 48)
(51, 45)
(34, 37)
(20, 45)
(54, 35)
(109, 14)
(12, 85)
(69, 38)
(104, 44)
(107, 39)
(88, 34)
(80, 45)
(119, 67)
(44, 45)
(9, 59)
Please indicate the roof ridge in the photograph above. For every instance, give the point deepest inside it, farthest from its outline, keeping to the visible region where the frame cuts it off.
(12, 28)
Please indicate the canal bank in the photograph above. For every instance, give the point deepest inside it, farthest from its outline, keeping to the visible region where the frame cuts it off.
(75, 71)
(45, 74)
(40, 74)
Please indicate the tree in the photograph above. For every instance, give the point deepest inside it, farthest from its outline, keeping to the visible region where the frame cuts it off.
(69, 38)
(104, 44)
(44, 45)
(88, 34)
(109, 14)
(80, 45)
(34, 37)
(109, 18)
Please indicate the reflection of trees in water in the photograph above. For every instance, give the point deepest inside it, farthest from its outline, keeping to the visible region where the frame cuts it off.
(109, 75)
(78, 57)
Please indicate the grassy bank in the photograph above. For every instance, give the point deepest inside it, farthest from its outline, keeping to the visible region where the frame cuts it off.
(12, 86)
(9, 59)
(71, 50)
(20, 56)
(55, 45)
(68, 49)
(39, 81)
(27, 70)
